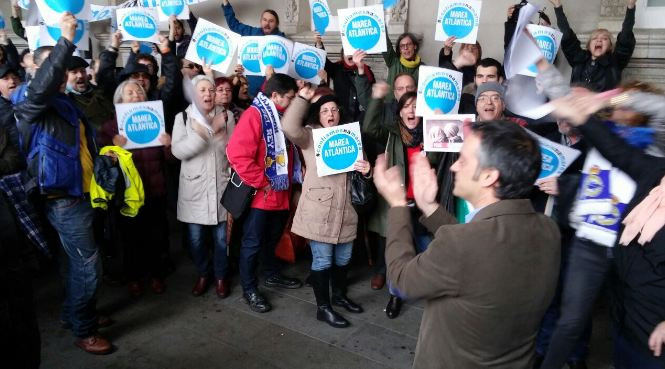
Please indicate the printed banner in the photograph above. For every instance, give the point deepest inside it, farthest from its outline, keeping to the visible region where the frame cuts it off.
(320, 15)
(49, 35)
(306, 63)
(556, 158)
(439, 91)
(168, 8)
(275, 51)
(139, 24)
(548, 40)
(249, 55)
(141, 123)
(459, 18)
(337, 148)
(212, 44)
(363, 28)
(100, 12)
(51, 10)
(445, 133)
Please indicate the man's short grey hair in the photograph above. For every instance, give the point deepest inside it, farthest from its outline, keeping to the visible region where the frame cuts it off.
(117, 95)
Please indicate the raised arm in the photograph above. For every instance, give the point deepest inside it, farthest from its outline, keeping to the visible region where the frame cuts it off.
(373, 124)
(105, 77)
(623, 50)
(570, 44)
(292, 122)
(235, 25)
(390, 56)
(170, 71)
(17, 26)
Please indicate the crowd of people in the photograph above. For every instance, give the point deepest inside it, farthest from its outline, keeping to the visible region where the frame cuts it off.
(509, 266)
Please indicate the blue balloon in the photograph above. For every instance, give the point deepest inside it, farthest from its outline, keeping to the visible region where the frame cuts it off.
(73, 6)
(275, 54)
(458, 22)
(363, 32)
(212, 47)
(441, 93)
(172, 7)
(308, 64)
(249, 57)
(142, 127)
(139, 25)
(321, 17)
(550, 162)
(340, 151)
(55, 33)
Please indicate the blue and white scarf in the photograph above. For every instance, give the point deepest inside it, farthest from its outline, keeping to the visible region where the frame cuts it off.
(277, 159)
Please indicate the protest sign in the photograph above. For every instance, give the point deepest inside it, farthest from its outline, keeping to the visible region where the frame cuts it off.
(212, 44)
(556, 158)
(387, 4)
(49, 35)
(321, 15)
(33, 34)
(139, 24)
(548, 40)
(306, 63)
(141, 123)
(522, 50)
(445, 133)
(459, 18)
(275, 51)
(439, 91)
(249, 55)
(168, 8)
(337, 148)
(24, 4)
(148, 3)
(363, 28)
(52, 10)
(100, 12)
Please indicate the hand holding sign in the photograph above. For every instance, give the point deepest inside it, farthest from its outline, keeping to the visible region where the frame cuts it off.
(116, 39)
(337, 148)
(459, 18)
(363, 28)
(68, 26)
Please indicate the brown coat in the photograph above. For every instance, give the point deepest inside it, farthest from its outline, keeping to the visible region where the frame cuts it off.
(324, 211)
(487, 283)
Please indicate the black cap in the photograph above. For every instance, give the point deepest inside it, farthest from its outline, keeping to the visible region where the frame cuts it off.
(6, 69)
(77, 62)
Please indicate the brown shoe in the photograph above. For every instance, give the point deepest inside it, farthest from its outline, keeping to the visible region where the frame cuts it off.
(223, 288)
(200, 287)
(378, 281)
(158, 286)
(95, 344)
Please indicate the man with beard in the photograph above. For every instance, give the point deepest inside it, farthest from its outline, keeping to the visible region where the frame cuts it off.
(94, 102)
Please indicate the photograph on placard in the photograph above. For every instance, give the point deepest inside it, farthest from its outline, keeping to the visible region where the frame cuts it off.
(363, 28)
(141, 123)
(459, 18)
(439, 91)
(138, 24)
(276, 52)
(213, 45)
(52, 10)
(306, 63)
(548, 40)
(445, 133)
(337, 148)
(49, 35)
(249, 55)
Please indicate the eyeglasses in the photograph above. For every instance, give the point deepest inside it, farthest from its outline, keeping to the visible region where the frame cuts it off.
(486, 99)
(326, 111)
(406, 45)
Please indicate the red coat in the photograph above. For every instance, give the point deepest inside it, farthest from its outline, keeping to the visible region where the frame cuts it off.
(246, 152)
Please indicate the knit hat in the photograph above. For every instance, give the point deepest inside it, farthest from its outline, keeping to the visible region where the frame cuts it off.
(491, 86)
(315, 108)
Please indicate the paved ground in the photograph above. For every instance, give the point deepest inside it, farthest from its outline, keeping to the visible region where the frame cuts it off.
(178, 331)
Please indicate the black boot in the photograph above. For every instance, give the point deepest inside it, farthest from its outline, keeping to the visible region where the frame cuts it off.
(324, 312)
(339, 297)
(394, 307)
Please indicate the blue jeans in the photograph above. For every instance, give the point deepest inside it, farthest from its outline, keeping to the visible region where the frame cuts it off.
(72, 219)
(589, 266)
(200, 253)
(322, 254)
(627, 356)
(261, 231)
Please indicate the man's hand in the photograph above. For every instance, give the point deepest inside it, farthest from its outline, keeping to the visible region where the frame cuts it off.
(116, 39)
(307, 92)
(657, 339)
(556, 3)
(68, 26)
(358, 60)
(380, 89)
(389, 183)
(172, 20)
(425, 187)
(119, 140)
(549, 186)
(631, 4)
(136, 47)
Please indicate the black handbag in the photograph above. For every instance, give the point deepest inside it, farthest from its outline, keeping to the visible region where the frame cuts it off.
(237, 196)
(363, 193)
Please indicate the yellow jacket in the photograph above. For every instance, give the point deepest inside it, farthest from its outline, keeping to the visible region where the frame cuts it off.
(134, 194)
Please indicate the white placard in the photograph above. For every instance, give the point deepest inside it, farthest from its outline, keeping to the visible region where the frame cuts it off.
(556, 158)
(249, 55)
(172, 7)
(52, 10)
(49, 35)
(337, 148)
(100, 12)
(306, 62)
(522, 51)
(321, 15)
(141, 123)
(548, 40)
(212, 44)
(459, 18)
(275, 51)
(439, 91)
(363, 28)
(445, 133)
(138, 24)
(33, 33)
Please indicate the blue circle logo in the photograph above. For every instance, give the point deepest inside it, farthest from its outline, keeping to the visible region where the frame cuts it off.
(212, 47)
(139, 25)
(249, 57)
(550, 162)
(363, 32)
(340, 151)
(321, 17)
(308, 64)
(458, 22)
(274, 54)
(547, 46)
(172, 7)
(142, 127)
(55, 33)
(73, 6)
(441, 93)
(148, 3)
